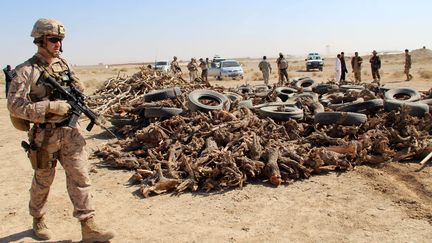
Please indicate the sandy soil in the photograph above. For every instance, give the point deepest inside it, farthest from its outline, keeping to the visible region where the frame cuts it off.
(390, 203)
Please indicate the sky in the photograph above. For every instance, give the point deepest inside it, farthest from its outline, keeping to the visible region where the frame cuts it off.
(131, 31)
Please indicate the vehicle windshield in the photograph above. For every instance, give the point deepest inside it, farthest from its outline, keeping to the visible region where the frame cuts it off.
(161, 63)
(314, 58)
(231, 64)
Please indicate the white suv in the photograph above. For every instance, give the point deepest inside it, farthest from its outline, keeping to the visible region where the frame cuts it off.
(314, 61)
(162, 65)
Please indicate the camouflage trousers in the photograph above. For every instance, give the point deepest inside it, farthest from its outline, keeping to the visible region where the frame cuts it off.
(193, 75)
(266, 75)
(283, 75)
(68, 146)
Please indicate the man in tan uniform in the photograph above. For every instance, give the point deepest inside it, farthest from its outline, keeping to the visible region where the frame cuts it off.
(282, 65)
(193, 69)
(265, 68)
(356, 62)
(51, 140)
(407, 65)
(204, 70)
(175, 67)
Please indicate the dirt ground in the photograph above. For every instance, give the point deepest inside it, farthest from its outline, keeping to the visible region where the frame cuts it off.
(390, 203)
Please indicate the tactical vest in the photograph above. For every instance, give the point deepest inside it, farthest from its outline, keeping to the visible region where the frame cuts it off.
(59, 71)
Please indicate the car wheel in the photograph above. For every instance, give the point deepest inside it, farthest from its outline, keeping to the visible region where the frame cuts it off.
(340, 118)
(285, 92)
(282, 113)
(363, 106)
(197, 97)
(161, 112)
(397, 94)
(162, 94)
(305, 84)
(415, 109)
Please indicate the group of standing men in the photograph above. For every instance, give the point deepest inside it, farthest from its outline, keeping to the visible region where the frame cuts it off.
(375, 62)
(266, 69)
(192, 67)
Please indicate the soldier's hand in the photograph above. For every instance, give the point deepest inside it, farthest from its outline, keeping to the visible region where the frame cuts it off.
(58, 107)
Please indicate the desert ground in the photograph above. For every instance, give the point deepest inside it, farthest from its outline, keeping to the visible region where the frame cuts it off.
(386, 203)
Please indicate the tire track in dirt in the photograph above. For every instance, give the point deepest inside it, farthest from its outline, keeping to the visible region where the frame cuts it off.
(411, 190)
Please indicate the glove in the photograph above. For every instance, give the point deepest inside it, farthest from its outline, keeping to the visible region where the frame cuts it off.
(58, 107)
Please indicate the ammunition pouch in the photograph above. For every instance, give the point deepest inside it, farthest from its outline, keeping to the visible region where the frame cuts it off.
(39, 158)
(20, 124)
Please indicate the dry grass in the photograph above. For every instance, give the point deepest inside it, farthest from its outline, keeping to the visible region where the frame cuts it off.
(256, 76)
(397, 74)
(426, 74)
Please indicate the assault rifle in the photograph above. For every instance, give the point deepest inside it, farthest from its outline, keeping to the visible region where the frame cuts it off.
(76, 100)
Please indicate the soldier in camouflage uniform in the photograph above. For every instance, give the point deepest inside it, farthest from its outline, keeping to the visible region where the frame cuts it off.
(375, 62)
(51, 140)
(193, 69)
(265, 68)
(407, 65)
(356, 62)
(175, 67)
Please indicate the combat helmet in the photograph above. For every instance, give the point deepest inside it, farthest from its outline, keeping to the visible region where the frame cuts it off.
(44, 27)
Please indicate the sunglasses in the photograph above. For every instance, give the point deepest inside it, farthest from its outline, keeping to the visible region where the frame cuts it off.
(54, 39)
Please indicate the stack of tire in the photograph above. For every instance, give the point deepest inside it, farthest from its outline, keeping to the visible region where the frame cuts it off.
(162, 111)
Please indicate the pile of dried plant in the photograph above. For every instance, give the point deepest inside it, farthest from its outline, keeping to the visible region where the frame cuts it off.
(223, 149)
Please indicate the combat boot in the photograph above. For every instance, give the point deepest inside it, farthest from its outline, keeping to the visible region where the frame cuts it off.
(92, 233)
(40, 229)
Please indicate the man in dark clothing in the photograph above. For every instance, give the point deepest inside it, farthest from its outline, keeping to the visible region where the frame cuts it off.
(375, 66)
(8, 77)
(343, 65)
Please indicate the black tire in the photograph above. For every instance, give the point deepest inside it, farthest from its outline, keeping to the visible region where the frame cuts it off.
(324, 88)
(195, 104)
(233, 96)
(246, 103)
(162, 94)
(363, 106)
(305, 84)
(393, 94)
(337, 106)
(121, 122)
(348, 87)
(260, 88)
(246, 89)
(325, 98)
(425, 101)
(285, 92)
(416, 109)
(161, 112)
(282, 113)
(340, 118)
(312, 95)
